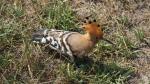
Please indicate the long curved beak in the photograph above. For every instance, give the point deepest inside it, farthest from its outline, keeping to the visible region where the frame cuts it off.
(104, 39)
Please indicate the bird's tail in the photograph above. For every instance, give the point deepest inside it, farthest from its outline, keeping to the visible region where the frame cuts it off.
(40, 36)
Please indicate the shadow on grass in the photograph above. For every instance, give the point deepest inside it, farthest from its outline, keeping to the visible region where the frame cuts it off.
(110, 71)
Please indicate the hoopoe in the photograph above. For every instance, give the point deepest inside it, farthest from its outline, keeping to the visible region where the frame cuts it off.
(71, 43)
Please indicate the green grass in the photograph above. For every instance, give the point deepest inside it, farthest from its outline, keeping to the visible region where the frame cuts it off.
(23, 62)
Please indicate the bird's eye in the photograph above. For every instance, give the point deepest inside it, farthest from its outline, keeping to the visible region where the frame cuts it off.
(98, 25)
(96, 38)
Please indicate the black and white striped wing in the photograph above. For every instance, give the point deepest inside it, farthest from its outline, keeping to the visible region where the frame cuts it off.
(56, 39)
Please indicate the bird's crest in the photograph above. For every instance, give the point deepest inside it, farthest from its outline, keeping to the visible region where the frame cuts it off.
(93, 28)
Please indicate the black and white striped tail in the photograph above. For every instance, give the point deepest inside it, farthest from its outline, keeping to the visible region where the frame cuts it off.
(40, 36)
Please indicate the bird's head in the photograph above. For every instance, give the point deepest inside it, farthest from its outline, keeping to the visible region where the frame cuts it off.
(93, 28)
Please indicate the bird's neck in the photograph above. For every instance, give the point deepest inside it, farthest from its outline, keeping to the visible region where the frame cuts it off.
(90, 37)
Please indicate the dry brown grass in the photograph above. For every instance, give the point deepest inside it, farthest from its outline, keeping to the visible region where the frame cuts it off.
(125, 23)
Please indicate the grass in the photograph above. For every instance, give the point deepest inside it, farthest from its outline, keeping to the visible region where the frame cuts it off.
(23, 62)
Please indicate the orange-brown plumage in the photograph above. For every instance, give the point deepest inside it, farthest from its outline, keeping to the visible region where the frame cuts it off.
(93, 30)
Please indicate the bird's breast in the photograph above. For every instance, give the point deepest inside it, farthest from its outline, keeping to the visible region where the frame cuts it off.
(79, 45)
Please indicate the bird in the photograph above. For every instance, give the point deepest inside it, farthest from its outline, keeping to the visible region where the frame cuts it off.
(72, 44)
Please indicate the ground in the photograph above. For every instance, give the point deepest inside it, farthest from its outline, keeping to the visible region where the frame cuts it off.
(125, 23)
